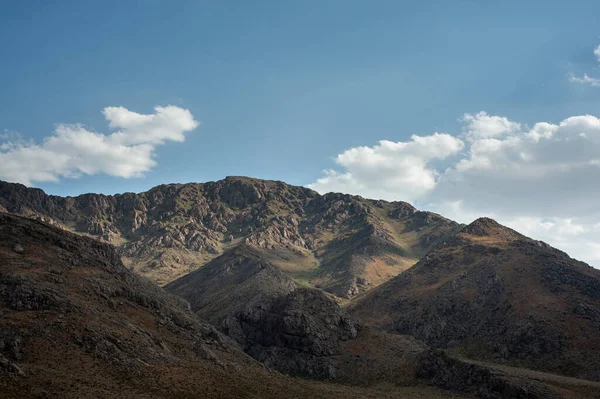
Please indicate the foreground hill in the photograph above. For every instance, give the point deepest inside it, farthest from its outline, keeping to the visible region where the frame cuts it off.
(491, 293)
(343, 244)
(77, 324)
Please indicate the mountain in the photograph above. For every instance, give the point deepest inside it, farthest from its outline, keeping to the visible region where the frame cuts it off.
(76, 323)
(340, 243)
(303, 331)
(492, 294)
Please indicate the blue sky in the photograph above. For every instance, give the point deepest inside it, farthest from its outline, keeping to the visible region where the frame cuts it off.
(282, 89)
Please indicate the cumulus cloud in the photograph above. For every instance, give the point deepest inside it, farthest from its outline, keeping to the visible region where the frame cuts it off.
(390, 169)
(482, 125)
(73, 150)
(542, 180)
(549, 169)
(585, 79)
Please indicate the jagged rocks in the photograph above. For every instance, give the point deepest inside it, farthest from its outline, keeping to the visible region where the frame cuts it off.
(175, 228)
(296, 334)
(441, 370)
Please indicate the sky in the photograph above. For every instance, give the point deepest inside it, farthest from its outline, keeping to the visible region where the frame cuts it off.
(467, 108)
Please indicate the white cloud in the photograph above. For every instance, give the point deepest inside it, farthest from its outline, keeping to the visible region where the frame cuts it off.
(543, 180)
(73, 150)
(390, 169)
(585, 80)
(482, 125)
(548, 170)
(588, 80)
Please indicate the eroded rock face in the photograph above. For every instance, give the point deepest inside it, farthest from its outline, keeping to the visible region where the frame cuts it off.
(76, 323)
(295, 334)
(68, 305)
(173, 229)
(441, 370)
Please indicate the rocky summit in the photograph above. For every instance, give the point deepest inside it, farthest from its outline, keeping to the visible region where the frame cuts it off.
(340, 243)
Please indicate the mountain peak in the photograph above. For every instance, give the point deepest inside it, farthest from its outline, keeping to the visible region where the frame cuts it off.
(482, 226)
(487, 227)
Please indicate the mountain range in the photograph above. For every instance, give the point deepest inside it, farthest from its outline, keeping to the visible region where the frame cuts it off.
(227, 283)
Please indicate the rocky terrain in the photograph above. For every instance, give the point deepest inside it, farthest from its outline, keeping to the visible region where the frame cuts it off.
(76, 323)
(490, 293)
(268, 282)
(293, 329)
(303, 331)
(343, 244)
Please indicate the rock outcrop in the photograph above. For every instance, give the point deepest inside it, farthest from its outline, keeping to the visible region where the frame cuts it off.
(291, 329)
(76, 323)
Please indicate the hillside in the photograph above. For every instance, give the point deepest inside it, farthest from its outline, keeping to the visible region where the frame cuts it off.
(76, 323)
(293, 329)
(343, 244)
(490, 293)
(303, 331)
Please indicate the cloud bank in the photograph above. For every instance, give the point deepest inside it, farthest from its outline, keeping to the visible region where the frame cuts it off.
(74, 150)
(543, 180)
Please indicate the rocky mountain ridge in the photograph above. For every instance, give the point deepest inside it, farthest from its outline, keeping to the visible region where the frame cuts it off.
(343, 244)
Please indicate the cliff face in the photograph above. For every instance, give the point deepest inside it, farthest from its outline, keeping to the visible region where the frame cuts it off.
(340, 243)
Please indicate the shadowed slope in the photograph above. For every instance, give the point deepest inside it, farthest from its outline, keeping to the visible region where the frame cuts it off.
(294, 330)
(492, 293)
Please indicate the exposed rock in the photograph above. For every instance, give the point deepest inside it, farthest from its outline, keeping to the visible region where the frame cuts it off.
(297, 333)
(76, 323)
(449, 373)
(172, 229)
(18, 248)
(293, 330)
